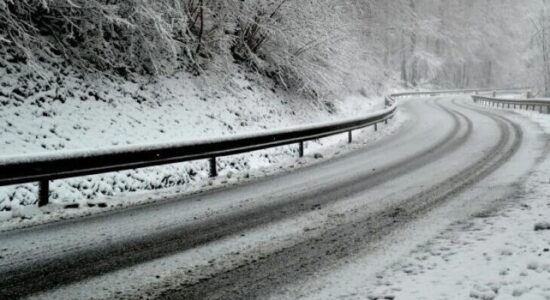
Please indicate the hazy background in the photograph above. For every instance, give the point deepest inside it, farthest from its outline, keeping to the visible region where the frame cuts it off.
(314, 47)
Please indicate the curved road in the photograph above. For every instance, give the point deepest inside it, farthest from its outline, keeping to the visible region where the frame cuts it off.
(270, 237)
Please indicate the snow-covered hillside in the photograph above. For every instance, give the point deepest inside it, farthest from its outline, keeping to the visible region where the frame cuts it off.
(52, 111)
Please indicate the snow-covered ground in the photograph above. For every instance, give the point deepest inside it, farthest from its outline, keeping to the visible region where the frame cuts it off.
(408, 261)
(501, 255)
(51, 111)
(254, 242)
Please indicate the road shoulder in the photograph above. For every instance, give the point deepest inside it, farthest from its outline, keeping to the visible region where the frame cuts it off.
(503, 254)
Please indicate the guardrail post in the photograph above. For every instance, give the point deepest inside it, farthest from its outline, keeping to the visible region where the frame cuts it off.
(301, 149)
(386, 121)
(494, 94)
(376, 127)
(350, 137)
(548, 109)
(43, 192)
(213, 167)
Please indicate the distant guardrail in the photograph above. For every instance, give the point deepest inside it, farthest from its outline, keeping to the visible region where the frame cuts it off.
(540, 105)
(43, 168)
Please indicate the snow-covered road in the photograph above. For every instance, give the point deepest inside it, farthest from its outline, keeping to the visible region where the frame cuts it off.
(298, 234)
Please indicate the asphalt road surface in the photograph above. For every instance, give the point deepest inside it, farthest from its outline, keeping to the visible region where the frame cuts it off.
(270, 237)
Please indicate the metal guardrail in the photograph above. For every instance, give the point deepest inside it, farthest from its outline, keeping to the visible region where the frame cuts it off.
(464, 91)
(51, 166)
(540, 105)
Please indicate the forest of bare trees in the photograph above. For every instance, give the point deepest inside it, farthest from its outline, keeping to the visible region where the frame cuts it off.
(311, 46)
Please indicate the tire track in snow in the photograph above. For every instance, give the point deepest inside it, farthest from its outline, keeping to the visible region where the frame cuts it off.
(260, 278)
(85, 264)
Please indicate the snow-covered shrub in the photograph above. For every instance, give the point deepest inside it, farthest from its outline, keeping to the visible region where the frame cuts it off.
(313, 46)
(126, 36)
(297, 43)
(303, 45)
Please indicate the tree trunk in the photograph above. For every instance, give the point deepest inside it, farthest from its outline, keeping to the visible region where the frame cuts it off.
(404, 77)
(545, 54)
(489, 73)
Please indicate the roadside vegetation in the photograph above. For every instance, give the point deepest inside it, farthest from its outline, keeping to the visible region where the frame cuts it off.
(311, 47)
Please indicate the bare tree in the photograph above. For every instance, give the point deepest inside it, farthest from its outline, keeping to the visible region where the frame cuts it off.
(540, 39)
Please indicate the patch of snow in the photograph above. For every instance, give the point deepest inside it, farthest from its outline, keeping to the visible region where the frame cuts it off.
(25, 211)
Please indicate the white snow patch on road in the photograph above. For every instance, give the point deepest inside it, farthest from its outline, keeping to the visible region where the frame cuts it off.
(499, 256)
